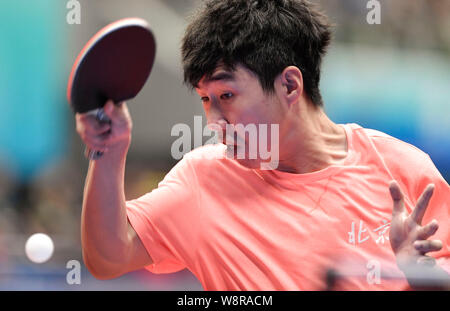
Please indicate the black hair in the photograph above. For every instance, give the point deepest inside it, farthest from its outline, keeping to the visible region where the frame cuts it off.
(266, 36)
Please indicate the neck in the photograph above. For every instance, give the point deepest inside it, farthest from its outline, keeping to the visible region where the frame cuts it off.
(312, 142)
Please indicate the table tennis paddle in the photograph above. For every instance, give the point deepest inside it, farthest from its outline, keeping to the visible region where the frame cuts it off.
(114, 64)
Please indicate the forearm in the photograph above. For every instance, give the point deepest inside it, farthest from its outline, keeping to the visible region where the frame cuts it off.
(104, 224)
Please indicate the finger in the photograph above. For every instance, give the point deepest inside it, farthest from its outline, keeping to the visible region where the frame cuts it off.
(92, 148)
(92, 125)
(108, 109)
(97, 148)
(118, 113)
(82, 122)
(84, 116)
(425, 246)
(99, 132)
(114, 111)
(95, 138)
(428, 230)
(87, 117)
(95, 144)
(422, 204)
(99, 139)
(397, 198)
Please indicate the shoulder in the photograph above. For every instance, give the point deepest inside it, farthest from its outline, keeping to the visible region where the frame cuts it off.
(394, 150)
(210, 157)
(210, 162)
(406, 163)
(203, 155)
(209, 152)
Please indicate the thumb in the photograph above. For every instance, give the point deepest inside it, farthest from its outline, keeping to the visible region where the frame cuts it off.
(109, 109)
(397, 197)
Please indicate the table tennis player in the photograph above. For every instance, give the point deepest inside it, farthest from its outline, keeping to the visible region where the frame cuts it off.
(338, 192)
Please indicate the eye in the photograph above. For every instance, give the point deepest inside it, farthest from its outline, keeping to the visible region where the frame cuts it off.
(226, 96)
(204, 99)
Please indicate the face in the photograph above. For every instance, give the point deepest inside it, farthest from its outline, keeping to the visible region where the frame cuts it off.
(235, 101)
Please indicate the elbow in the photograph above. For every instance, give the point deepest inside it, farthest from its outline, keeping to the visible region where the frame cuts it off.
(99, 274)
(102, 270)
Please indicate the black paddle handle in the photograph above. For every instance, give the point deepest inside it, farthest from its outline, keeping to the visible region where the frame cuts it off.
(103, 118)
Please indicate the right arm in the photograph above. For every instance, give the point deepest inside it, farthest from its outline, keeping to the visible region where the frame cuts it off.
(110, 245)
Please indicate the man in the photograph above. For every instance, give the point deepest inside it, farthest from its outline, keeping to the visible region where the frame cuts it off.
(338, 196)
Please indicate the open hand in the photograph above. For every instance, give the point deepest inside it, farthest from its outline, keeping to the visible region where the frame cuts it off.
(409, 239)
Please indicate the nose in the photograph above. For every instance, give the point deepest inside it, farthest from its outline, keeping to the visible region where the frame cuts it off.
(217, 125)
(215, 119)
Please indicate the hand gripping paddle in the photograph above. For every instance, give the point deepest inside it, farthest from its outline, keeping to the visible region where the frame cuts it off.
(114, 64)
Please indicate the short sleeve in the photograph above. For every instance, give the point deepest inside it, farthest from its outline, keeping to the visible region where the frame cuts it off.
(166, 219)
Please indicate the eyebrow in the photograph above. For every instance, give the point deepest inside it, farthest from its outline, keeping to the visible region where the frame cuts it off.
(221, 76)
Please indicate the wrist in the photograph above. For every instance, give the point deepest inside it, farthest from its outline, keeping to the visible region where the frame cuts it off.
(113, 155)
(423, 273)
(119, 148)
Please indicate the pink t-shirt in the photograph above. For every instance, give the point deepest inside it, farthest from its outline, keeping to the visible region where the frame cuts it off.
(236, 228)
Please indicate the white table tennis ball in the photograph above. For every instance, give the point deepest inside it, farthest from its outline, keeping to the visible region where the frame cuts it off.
(39, 248)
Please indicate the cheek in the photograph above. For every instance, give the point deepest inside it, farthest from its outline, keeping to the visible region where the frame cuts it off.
(258, 113)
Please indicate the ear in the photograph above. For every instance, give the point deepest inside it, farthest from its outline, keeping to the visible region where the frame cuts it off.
(291, 84)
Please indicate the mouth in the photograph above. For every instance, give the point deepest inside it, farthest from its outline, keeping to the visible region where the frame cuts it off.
(233, 142)
(228, 143)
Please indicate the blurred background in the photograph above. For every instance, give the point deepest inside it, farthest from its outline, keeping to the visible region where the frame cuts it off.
(394, 77)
